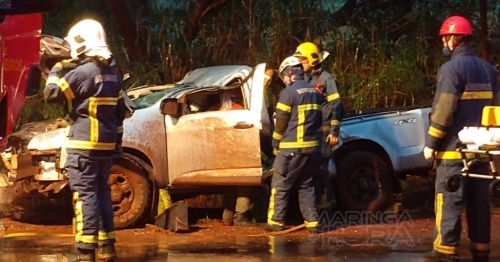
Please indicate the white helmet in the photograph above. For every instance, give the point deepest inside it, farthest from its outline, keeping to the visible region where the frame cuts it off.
(289, 61)
(88, 37)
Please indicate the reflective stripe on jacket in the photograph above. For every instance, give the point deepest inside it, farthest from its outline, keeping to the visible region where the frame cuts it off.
(298, 117)
(465, 85)
(97, 108)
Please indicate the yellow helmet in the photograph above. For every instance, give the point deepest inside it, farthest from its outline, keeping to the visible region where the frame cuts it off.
(309, 51)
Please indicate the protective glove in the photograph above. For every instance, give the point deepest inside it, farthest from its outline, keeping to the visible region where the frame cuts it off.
(69, 64)
(332, 140)
(276, 145)
(63, 67)
(429, 154)
(268, 75)
(275, 151)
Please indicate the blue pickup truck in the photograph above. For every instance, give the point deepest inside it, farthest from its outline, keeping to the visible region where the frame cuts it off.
(378, 147)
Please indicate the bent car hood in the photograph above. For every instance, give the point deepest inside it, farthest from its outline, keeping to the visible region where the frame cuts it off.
(50, 140)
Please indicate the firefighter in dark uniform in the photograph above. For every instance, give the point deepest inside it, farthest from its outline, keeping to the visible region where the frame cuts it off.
(97, 110)
(465, 85)
(296, 142)
(332, 109)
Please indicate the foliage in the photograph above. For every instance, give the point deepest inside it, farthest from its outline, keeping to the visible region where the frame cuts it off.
(35, 109)
(383, 55)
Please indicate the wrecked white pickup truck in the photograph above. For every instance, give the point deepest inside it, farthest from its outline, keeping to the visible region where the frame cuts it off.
(206, 133)
(198, 136)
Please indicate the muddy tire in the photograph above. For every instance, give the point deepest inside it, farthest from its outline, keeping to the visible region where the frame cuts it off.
(363, 182)
(495, 188)
(130, 193)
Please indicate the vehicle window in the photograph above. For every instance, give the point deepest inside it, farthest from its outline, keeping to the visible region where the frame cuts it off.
(218, 100)
(209, 100)
(155, 96)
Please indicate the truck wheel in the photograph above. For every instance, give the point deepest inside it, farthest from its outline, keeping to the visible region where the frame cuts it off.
(130, 193)
(452, 183)
(495, 188)
(363, 182)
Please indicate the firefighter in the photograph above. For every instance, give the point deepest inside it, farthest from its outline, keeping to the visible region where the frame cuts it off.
(465, 85)
(238, 206)
(97, 110)
(332, 109)
(296, 145)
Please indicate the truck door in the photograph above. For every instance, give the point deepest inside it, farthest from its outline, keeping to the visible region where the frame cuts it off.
(218, 147)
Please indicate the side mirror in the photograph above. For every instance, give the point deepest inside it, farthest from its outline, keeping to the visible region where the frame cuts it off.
(170, 107)
(34, 81)
(17, 7)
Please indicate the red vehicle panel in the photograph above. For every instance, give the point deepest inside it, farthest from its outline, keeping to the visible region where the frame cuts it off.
(20, 70)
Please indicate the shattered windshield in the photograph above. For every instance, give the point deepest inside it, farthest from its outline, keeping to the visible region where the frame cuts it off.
(151, 99)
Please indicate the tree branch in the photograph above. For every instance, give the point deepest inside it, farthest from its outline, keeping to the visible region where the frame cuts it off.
(193, 19)
(458, 12)
(133, 37)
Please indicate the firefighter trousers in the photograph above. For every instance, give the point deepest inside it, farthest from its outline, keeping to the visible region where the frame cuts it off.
(322, 180)
(323, 183)
(293, 170)
(239, 200)
(88, 178)
(473, 194)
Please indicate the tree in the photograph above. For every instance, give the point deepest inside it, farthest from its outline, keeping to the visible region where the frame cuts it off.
(127, 16)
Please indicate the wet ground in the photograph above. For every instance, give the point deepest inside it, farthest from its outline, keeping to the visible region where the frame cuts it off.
(401, 241)
(403, 237)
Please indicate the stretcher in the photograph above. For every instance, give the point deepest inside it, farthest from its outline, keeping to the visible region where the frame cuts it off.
(480, 144)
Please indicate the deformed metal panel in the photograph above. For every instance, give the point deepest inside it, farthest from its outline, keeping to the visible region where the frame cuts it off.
(207, 145)
(145, 132)
(216, 75)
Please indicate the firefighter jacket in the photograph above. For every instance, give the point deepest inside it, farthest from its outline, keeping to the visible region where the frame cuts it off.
(332, 107)
(465, 85)
(298, 117)
(96, 105)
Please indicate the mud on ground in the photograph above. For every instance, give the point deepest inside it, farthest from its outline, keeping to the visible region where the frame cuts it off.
(209, 240)
(23, 216)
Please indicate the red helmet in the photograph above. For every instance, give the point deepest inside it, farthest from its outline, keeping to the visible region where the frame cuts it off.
(456, 25)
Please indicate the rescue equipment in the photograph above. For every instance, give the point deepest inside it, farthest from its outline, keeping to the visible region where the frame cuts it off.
(480, 144)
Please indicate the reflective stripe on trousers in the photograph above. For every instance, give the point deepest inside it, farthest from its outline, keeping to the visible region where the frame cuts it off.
(473, 193)
(94, 214)
(293, 171)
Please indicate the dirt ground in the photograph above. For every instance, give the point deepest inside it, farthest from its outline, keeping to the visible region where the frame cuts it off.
(406, 238)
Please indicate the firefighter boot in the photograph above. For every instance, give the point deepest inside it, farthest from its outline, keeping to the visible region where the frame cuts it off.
(275, 227)
(107, 252)
(480, 256)
(83, 255)
(435, 256)
(243, 220)
(313, 227)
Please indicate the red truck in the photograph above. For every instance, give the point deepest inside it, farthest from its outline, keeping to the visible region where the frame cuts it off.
(20, 72)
